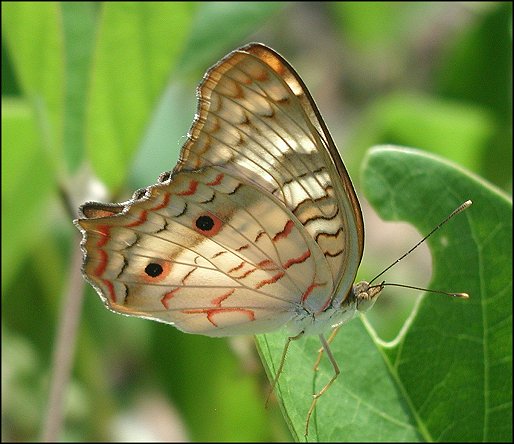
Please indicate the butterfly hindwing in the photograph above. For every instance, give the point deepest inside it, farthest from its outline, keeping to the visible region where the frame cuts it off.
(207, 253)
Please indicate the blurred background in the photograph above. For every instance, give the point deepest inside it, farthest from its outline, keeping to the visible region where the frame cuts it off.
(96, 101)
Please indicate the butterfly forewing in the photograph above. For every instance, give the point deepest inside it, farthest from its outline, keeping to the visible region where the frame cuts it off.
(257, 224)
(257, 118)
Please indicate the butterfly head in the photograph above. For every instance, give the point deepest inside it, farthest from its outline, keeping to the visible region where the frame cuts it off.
(365, 295)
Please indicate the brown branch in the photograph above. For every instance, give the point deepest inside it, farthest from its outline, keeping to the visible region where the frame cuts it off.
(64, 349)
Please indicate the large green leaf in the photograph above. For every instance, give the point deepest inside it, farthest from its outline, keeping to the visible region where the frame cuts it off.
(448, 376)
(34, 36)
(138, 45)
(26, 189)
(79, 26)
(462, 132)
(219, 26)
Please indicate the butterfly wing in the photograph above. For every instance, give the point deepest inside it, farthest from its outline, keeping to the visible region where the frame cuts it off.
(257, 224)
(204, 252)
(257, 118)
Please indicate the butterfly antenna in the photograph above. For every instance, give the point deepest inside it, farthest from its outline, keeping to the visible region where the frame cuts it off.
(455, 295)
(458, 210)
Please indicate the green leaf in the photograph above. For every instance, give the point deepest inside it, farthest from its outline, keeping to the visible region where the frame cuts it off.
(34, 37)
(448, 376)
(377, 25)
(484, 53)
(231, 407)
(26, 186)
(138, 45)
(459, 131)
(220, 26)
(79, 25)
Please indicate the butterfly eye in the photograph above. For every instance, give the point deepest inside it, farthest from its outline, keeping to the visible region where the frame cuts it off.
(207, 224)
(153, 270)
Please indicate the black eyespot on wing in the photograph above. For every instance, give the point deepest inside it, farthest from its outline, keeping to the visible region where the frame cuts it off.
(207, 224)
(204, 223)
(153, 270)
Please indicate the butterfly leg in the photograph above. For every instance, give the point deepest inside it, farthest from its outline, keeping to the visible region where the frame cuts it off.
(329, 341)
(316, 396)
(282, 361)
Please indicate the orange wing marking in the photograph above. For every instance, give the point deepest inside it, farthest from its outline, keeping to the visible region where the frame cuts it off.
(285, 232)
(99, 270)
(104, 232)
(170, 294)
(193, 185)
(271, 280)
(110, 287)
(298, 260)
(308, 292)
(217, 180)
(210, 312)
(165, 202)
(142, 219)
(241, 265)
(217, 301)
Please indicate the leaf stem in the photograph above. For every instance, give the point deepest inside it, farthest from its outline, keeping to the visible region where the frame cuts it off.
(64, 349)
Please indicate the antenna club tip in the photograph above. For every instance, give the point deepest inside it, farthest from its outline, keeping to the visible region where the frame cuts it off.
(458, 210)
(461, 295)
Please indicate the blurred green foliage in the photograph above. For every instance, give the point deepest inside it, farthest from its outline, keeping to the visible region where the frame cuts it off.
(106, 90)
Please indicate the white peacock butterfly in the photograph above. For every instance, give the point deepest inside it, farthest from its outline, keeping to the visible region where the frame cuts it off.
(258, 225)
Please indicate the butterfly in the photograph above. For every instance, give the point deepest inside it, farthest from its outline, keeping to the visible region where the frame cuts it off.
(257, 227)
